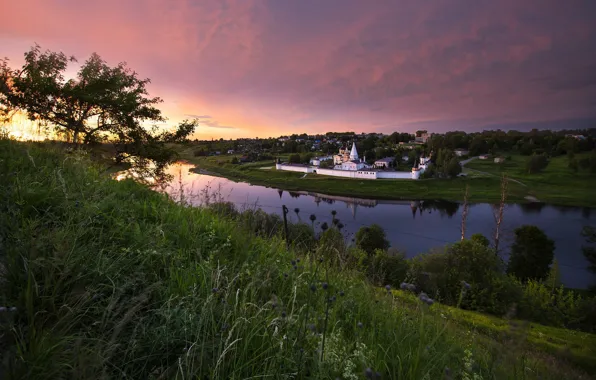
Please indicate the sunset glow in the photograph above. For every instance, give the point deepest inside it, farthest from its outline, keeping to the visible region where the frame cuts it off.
(262, 68)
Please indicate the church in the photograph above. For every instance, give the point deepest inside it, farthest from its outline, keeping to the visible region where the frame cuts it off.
(343, 161)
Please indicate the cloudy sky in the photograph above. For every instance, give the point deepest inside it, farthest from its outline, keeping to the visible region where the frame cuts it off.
(272, 67)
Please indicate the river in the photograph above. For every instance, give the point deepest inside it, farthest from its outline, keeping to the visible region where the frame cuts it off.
(411, 226)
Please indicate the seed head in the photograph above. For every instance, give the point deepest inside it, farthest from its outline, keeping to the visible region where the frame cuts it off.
(388, 288)
(214, 290)
(465, 285)
(341, 293)
(359, 324)
(321, 260)
(293, 262)
(313, 288)
(325, 286)
(283, 314)
(311, 327)
(368, 373)
(3, 309)
(285, 275)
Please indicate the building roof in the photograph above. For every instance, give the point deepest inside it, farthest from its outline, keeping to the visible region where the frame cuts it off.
(354, 152)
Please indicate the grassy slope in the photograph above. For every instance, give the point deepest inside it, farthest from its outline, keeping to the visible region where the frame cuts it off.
(112, 280)
(557, 185)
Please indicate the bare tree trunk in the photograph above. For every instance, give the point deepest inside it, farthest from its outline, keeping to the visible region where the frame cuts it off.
(499, 213)
(464, 214)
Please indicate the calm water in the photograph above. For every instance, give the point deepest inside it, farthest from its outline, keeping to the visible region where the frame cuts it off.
(411, 226)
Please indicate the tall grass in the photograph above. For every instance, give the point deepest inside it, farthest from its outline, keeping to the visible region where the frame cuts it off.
(106, 279)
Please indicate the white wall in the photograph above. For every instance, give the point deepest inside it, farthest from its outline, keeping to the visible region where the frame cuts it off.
(364, 174)
(395, 175)
(291, 168)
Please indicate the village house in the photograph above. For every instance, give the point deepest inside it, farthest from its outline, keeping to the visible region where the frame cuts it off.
(384, 162)
(461, 152)
(483, 157)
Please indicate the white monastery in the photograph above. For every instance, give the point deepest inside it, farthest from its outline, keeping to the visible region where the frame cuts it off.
(349, 165)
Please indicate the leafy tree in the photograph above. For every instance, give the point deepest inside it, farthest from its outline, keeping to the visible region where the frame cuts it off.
(531, 255)
(453, 168)
(234, 160)
(294, 158)
(480, 239)
(536, 163)
(371, 238)
(100, 103)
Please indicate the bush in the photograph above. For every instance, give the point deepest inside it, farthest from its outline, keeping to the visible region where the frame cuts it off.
(371, 238)
(441, 275)
(531, 254)
(383, 269)
(294, 159)
(536, 163)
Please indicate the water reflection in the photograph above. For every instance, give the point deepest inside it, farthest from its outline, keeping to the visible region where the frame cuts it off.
(413, 226)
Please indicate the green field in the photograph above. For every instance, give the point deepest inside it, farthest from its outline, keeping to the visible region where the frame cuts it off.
(556, 185)
(112, 280)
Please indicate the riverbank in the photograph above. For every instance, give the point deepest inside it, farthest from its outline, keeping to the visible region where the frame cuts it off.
(553, 186)
(107, 279)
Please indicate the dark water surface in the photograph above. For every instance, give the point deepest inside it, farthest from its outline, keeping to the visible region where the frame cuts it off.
(412, 226)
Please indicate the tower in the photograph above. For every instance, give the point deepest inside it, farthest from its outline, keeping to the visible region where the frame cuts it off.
(353, 152)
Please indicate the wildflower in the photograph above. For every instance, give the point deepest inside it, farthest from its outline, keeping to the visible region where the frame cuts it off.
(368, 373)
(297, 260)
(293, 262)
(424, 298)
(341, 293)
(285, 275)
(465, 285)
(295, 267)
(2, 309)
(313, 288)
(273, 305)
(214, 290)
(388, 288)
(224, 327)
(359, 324)
(321, 260)
(311, 327)
(325, 286)
(332, 299)
(377, 375)
(283, 314)
(403, 286)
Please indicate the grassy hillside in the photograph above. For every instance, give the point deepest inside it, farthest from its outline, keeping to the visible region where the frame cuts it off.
(556, 185)
(106, 279)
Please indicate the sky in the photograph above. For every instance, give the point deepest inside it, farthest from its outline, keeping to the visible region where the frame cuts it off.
(251, 68)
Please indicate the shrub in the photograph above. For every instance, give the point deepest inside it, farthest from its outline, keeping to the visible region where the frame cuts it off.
(371, 238)
(536, 163)
(302, 236)
(531, 254)
(383, 269)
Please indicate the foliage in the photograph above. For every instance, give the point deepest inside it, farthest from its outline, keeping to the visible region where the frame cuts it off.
(383, 269)
(453, 168)
(234, 160)
(480, 239)
(371, 238)
(294, 159)
(102, 103)
(532, 253)
(536, 163)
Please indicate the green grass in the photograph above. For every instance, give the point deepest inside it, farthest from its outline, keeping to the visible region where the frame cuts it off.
(112, 280)
(556, 184)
